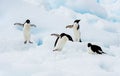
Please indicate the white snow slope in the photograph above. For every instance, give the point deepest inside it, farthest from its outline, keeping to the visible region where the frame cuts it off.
(100, 24)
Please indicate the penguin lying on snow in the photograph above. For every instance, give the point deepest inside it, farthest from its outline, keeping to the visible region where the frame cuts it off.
(61, 40)
(26, 30)
(76, 31)
(95, 49)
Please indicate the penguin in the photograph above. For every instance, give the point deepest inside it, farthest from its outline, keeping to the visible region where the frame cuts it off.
(95, 49)
(26, 30)
(61, 40)
(76, 30)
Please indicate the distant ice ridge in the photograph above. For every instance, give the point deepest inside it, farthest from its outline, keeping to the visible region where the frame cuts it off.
(85, 6)
(112, 7)
(81, 6)
(106, 9)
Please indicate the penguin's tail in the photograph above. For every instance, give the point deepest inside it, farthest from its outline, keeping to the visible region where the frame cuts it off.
(104, 53)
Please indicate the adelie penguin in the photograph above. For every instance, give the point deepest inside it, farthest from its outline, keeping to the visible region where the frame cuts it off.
(76, 30)
(26, 30)
(61, 40)
(95, 49)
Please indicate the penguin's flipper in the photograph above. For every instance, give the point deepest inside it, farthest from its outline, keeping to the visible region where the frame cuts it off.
(69, 26)
(33, 25)
(19, 24)
(98, 52)
(101, 50)
(56, 41)
(55, 35)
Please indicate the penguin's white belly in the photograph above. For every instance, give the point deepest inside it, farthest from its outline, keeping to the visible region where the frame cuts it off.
(26, 32)
(90, 51)
(76, 35)
(61, 42)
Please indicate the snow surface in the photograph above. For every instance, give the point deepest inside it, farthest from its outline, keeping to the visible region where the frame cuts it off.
(100, 24)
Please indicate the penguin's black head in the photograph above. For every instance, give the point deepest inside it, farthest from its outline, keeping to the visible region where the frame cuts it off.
(68, 36)
(89, 45)
(27, 21)
(62, 34)
(77, 21)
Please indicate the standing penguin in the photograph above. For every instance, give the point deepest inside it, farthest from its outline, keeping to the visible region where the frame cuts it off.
(61, 40)
(95, 49)
(26, 30)
(75, 26)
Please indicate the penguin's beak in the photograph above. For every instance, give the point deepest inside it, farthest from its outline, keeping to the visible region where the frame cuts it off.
(69, 26)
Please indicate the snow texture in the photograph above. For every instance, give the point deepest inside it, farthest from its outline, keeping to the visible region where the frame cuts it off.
(100, 25)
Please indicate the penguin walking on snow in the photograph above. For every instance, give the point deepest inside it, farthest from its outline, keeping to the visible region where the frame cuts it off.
(61, 40)
(26, 30)
(76, 27)
(95, 49)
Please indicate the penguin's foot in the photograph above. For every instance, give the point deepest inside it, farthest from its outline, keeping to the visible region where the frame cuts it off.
(30, 42)
(25, 42)
(56, 50)
(80, 40)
